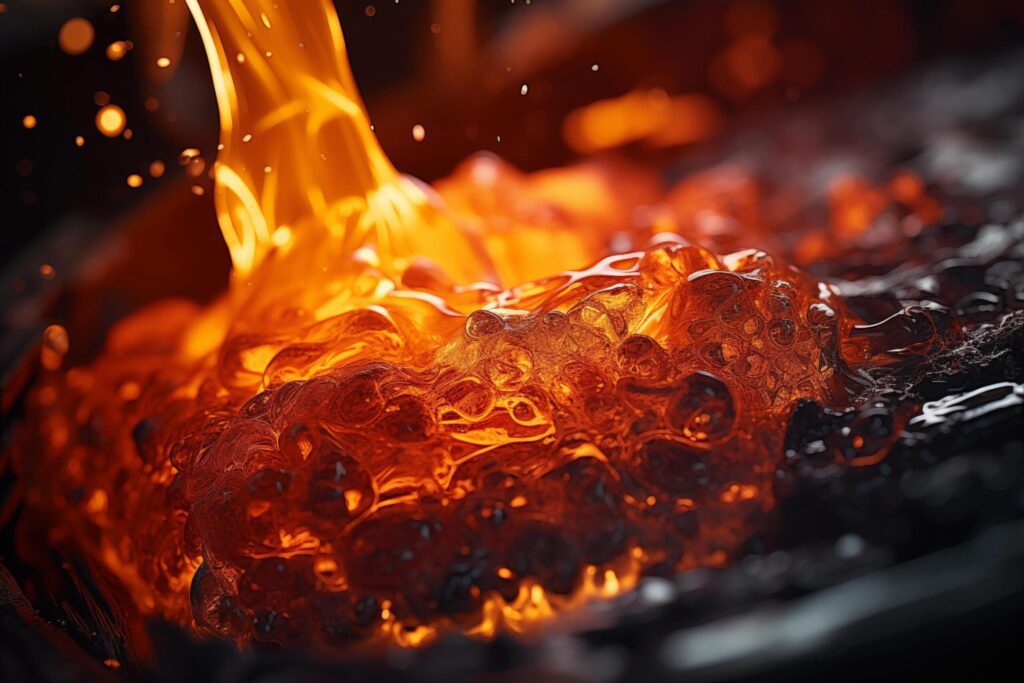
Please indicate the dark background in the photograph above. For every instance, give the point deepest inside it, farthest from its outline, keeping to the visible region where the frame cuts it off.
(454, 66)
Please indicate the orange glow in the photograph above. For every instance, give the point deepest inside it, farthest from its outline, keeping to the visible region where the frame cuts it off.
(76, 36)
(29, 121)
(418, 410)
(117, 50)
(651, 116)
(751, 17)
(854, 204)
(111, 120)
(747, 64)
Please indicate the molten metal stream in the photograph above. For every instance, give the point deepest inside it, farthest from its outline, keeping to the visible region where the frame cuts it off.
(414, 413)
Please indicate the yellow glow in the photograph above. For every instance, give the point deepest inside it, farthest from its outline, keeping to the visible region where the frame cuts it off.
(111, 120)
(117, 50)
(284, 85)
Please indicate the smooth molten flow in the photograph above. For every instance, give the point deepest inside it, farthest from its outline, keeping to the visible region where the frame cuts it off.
(418, 411)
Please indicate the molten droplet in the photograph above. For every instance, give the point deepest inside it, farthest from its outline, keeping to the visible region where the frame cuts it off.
(156, 169)
(76, 36)
(163, 62)
(134, 180)
(29, 121)
(419, 133)
(79, 141)
(111, 120)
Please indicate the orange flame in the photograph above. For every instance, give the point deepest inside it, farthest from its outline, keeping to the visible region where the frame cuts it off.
(289, 104)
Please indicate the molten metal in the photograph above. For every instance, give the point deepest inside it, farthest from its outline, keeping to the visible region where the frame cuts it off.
(398, 421)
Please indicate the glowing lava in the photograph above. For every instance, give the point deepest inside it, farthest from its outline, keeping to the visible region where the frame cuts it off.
(415, 412)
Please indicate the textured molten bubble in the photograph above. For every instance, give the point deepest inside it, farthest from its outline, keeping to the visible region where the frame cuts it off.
(376, 477)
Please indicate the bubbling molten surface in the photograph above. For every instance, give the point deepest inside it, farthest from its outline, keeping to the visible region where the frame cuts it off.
(398, 421)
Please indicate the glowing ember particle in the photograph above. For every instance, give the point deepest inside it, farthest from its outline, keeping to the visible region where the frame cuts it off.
(419, 133)
(111, 120)
(906, 187)
(163, 62)
(79, 141)
(187, 155)
(247, 137)
(594, 67)
(76, 36)
(55, 346)
(97, 501)
(156, 169)
(198, 190)
(195, 167)
(29, 121)
(652, 116)
(524, 89)
(130, 391)
(55, 338)
(370, 10)
(47, 271)
(134, 180)
(117, 50)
